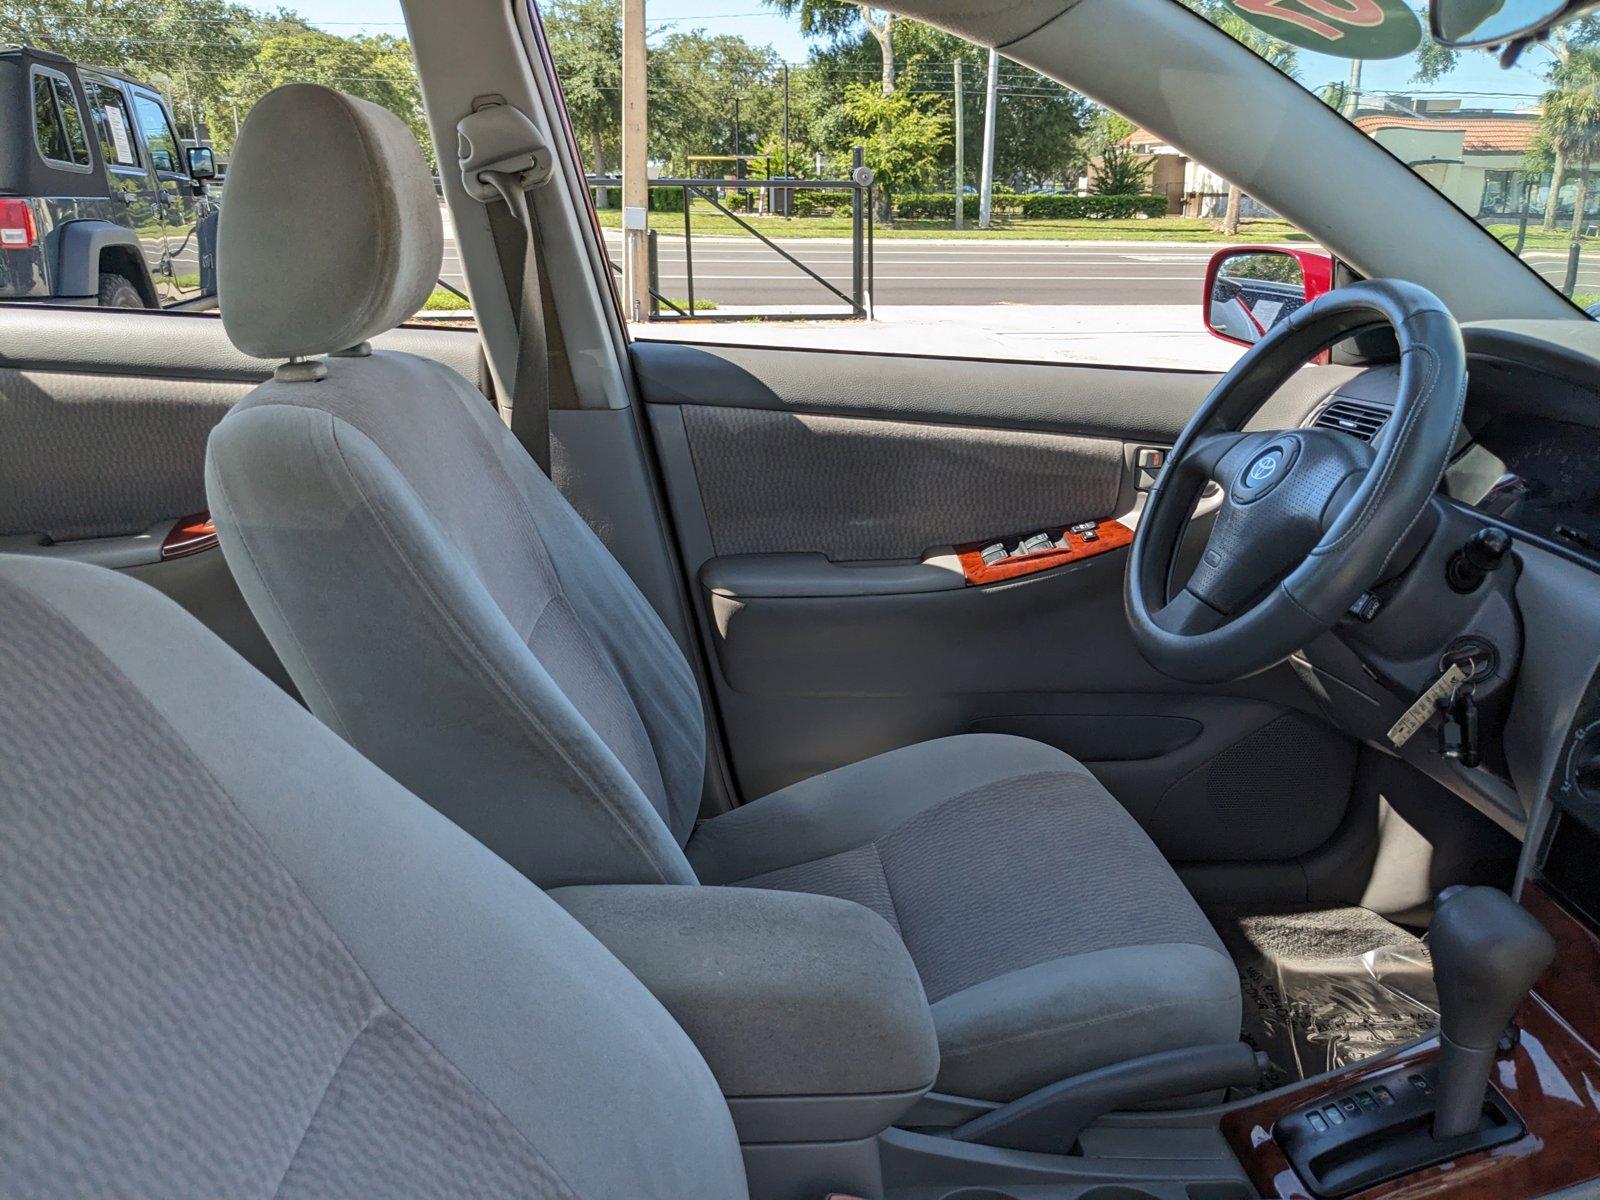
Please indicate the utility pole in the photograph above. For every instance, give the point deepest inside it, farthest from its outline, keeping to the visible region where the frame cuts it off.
(986, 183)
(784, 198)
(1353, 96)
(635, 165)
(961, 166)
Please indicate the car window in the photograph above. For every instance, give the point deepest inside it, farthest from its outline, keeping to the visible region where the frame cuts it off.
(108, 108)
(1089, 244)
(152, 95)
(158, 135)
(57, 123)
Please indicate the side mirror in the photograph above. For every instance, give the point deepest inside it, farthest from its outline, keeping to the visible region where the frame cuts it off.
(1249, 289)
(202, 163)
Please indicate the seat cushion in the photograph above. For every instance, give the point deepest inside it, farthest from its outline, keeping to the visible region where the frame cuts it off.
(1051, 935)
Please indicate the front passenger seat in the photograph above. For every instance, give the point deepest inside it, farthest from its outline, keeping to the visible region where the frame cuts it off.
(440, 604)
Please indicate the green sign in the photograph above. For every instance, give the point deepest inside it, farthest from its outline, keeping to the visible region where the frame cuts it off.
(1343, 28)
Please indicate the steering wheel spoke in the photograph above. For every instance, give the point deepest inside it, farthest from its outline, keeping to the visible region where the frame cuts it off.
(1188, 615)
(1210, 454)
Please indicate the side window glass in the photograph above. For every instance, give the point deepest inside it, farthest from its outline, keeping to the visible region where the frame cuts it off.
(109, 111)
(57, 123)
(158, 134)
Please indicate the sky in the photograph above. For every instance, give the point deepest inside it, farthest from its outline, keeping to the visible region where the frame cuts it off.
(1477, 72)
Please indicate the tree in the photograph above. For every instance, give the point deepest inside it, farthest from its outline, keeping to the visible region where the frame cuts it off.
(839, 20)
(1570, 119)
(697, 83)
(379, 69)
(1122, 172)
(152, 40)
(901, 139)
(586, 44)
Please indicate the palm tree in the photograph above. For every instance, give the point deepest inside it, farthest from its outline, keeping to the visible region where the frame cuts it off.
(1570, 122)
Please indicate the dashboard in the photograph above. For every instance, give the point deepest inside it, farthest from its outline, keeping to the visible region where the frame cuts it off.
(1529, 450)
(1527, 460)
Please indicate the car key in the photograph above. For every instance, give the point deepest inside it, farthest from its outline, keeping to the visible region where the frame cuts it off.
(1425, 705)
(1450, 731)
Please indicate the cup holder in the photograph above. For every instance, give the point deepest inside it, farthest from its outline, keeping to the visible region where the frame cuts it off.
(1117, 1191)
(977, 1193)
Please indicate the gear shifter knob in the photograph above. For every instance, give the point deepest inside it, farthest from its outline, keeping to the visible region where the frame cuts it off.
(1487, 953)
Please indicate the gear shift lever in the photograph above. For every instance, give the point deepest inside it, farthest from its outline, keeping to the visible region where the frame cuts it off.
(1487, 953)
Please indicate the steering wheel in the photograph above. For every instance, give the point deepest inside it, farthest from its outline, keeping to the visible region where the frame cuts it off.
(1309, 517)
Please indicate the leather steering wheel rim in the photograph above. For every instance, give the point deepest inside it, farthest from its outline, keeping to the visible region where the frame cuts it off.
(1327, 509)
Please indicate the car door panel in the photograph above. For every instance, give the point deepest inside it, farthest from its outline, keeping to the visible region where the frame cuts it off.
(104, 417)
(780, 481)
(816, 498)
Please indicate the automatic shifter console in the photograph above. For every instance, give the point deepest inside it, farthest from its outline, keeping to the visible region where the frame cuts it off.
(1487, 953)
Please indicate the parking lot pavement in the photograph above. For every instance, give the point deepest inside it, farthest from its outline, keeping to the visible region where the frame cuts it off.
(1168, 336)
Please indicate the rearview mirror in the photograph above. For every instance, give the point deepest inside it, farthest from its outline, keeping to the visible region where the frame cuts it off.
(202, 163)
(1465, 23)
(1249, 289)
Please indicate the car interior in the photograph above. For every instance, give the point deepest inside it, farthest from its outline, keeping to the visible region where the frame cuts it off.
(538, 761)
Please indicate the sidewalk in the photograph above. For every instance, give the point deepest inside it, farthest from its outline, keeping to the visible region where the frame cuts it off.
(1168, 336)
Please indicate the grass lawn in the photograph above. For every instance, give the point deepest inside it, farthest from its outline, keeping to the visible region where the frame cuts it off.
(706, 220)
(1538, 239)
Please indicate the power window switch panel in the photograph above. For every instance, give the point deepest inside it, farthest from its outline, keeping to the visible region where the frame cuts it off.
(1036, 543)
(992, 554)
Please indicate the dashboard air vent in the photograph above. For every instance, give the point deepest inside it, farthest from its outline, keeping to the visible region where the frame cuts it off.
(1354, 417)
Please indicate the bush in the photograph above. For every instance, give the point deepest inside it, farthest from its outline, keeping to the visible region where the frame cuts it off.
(1058, 206)
(814, 203)
(666, 200)
(941, 206)
(933, 206)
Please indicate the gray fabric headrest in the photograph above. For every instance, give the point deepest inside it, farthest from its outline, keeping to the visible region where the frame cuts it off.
(330, 230)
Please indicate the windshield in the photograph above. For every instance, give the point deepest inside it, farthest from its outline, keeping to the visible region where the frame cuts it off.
(1516, 149)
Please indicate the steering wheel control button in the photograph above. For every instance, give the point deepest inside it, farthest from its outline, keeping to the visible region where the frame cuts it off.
(1265, 471)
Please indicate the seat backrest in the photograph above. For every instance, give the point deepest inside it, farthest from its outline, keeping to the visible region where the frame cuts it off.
(434, 597)
(238, 960)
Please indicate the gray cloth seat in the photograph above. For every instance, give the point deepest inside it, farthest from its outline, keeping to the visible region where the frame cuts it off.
(240, 961)
(1050, 935)
(440, 604)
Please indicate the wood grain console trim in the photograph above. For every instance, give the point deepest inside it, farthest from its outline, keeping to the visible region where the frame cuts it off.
(1109, 535)
(1551, 1077)
(189, 535)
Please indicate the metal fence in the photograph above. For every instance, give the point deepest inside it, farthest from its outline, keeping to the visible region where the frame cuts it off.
(858, 300)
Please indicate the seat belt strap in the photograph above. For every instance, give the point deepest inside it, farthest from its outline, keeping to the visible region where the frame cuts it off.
(502, 154)
(530, 389)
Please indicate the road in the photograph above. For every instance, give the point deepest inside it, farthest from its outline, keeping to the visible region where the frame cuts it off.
(742, 272)
(936, 273)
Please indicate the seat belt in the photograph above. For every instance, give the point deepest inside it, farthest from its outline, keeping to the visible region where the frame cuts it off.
(530, 389)
(502, 155)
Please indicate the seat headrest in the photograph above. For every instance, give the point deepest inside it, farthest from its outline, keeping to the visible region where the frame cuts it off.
(330, 230)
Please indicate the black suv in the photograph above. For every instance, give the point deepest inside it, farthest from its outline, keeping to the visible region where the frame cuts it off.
(99, 202)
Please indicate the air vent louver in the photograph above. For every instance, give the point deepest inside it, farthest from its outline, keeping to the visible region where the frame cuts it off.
(1353, 417)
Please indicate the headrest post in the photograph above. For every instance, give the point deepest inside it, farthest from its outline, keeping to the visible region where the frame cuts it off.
(301, 370)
